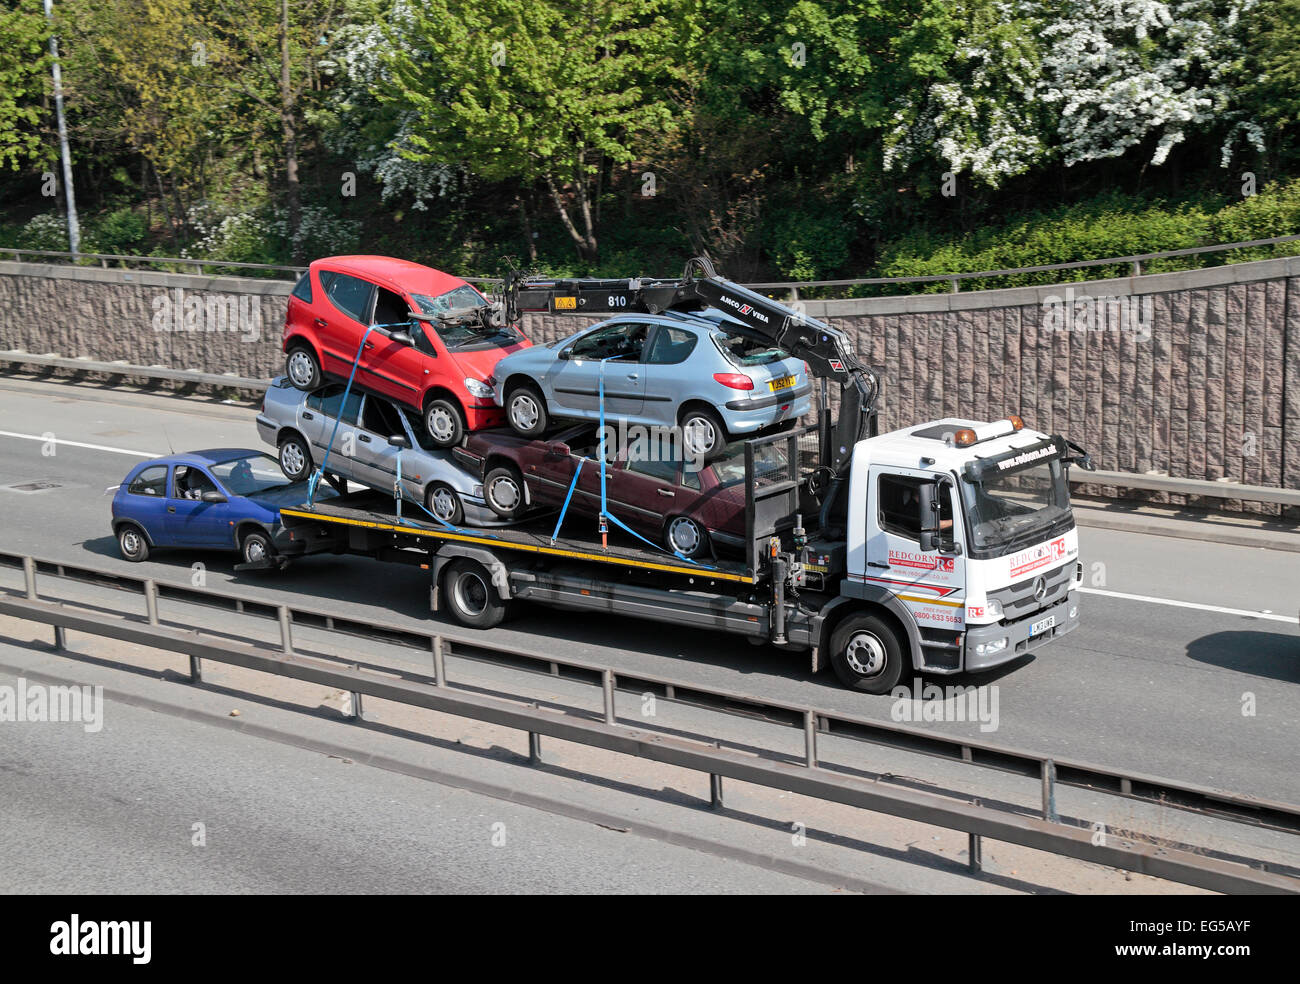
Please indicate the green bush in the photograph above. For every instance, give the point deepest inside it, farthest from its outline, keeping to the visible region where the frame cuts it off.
(121, 232)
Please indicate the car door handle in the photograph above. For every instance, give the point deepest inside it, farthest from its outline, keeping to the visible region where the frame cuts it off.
(308, 416)
(876, 563)
(321, 323)
(171, 509)
(365, 438)
(369, 345)
(632, 375)
(665, 492)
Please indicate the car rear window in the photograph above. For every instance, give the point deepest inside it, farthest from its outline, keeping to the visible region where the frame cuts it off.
(302, 289)
(743, 352)
(151, 481)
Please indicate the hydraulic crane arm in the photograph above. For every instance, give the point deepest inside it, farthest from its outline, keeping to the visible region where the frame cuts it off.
(827, 350)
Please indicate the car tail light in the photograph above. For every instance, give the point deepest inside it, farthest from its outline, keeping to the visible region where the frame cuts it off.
(736, 380)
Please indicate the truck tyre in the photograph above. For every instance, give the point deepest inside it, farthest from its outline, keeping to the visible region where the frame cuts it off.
(303, 368)
(503, 488)
(469, 594)
(867, 654)
(526, 409)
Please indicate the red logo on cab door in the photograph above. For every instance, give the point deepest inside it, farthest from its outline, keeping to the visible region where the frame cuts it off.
(1037, 556)
(920, 561)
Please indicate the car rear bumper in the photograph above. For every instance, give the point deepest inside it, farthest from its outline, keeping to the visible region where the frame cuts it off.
(267, 429)
(747, 416)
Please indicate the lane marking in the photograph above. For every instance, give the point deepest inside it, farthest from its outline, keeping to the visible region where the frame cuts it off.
(1289, 619)
(80, 444)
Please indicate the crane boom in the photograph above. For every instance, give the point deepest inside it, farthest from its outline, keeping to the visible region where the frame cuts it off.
(827, 350)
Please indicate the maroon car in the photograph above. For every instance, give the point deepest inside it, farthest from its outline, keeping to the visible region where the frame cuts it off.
(668, 501)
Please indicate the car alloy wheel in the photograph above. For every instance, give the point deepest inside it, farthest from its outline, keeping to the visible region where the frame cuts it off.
(442, 503)
(293, 460)
(524, 411)
(505, 494)
(685, 536)
(700, 435)
(441, 423)
(302, 368)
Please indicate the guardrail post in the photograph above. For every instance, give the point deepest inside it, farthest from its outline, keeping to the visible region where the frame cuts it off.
(535, 742)
(439, 663)
(356, 697)
(715, 786)
(975, 850)
(607, 685)
(1137, 268)
(956, 286)
(60, 639)
(810, 739)
(29, 577)
(196, 670)
(151, 600)
(286, 630)
(1049, 790)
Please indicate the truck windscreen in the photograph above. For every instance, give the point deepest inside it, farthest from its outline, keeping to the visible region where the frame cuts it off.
(1013, 505)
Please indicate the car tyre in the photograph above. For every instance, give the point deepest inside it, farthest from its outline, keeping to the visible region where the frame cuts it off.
(303, 368)
(703, 433)
(505, 492)
(255, 547)
(441, 500)
(470, 596)
(526, 410)
(295, 457)
(445, 422)
(686, 536)
(133, 543)
(867, 654)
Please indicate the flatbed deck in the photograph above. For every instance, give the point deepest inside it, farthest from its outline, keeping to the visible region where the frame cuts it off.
(374, 512)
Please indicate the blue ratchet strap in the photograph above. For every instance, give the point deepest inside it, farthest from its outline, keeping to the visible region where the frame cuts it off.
(604, 503)
(315, 479)
(572, 485)
(398, 499)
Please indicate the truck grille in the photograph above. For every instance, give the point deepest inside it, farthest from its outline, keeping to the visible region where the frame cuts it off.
(1018, 599)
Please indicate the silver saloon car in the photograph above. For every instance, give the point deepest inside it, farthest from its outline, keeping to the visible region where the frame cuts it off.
(668, 369)
(299, 425)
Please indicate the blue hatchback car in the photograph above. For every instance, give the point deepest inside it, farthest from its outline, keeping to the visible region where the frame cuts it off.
(223, 499)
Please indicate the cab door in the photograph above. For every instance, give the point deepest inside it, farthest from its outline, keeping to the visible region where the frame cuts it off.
(930, 582)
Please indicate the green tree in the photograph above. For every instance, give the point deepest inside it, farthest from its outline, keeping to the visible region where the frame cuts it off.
(24, 69)
(536, 91)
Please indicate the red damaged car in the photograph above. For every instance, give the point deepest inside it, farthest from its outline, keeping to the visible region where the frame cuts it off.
(688, 507)
(434, 346)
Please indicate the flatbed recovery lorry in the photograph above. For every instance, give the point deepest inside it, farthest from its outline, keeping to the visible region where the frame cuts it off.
(943, 547)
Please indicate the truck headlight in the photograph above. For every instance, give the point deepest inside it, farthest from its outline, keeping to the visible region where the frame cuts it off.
(478, 388)
(989, 648)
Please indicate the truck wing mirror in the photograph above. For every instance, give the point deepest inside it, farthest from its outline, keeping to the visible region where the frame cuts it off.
(1080, 457)
(927, 509)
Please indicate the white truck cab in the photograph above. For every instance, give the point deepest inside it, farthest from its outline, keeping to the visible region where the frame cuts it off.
(964, 531)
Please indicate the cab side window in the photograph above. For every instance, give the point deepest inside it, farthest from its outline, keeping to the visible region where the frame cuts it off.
(900, 502)
(151, 481)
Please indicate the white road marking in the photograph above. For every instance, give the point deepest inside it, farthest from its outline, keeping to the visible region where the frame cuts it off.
(78, 444)
(1290, 619)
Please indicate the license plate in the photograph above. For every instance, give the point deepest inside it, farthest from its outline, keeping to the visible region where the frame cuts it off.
(1042, 625)
(781, 384)
(566, 304)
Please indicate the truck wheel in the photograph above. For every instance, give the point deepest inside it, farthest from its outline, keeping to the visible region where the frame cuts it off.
(255, 547)
(526, 409)
(295, 458)
(441, 500)
(866, 654)
(132, 542)
(703, 433)
(503, 488)
(303, 368)
(444, 422)
(468, 592)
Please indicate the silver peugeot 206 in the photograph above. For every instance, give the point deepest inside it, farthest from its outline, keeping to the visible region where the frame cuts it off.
(670, 369)
(299, 425)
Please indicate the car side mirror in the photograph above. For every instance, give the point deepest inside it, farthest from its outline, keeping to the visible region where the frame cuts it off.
(565, 355)
(214, 497)
(400, 441)
(402, 337)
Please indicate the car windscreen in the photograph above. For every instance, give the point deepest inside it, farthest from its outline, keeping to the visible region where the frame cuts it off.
(249, 475)
(468, 332)
(1010, 505)
(745, 352)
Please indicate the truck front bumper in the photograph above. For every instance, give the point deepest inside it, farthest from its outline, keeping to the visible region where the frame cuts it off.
(1019, 641)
